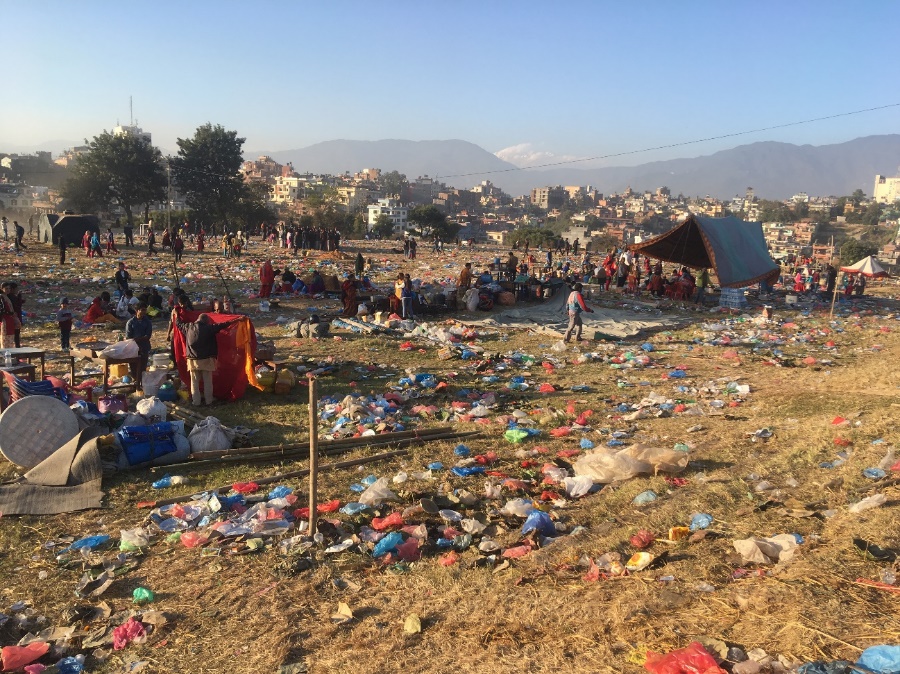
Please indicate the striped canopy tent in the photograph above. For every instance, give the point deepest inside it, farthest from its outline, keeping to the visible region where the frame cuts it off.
(868, 267)
(734, 248)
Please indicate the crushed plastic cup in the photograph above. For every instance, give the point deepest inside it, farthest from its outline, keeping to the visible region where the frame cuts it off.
(645, 497)
(700, 521)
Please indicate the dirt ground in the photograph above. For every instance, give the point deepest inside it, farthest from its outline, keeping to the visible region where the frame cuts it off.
(825, 388)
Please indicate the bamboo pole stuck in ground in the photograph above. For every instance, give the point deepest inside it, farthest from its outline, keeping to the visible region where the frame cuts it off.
(313, 452)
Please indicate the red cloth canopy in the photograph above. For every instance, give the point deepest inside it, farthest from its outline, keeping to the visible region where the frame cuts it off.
(237, 348)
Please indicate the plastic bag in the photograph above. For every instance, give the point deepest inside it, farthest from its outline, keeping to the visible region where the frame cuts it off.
(778, 548)
(376, 493)
(539, 521)
(133, 539)
(879, 659)
(127, 348)
(693, 659)
(152, 407)
(607, 464)
(209, 436)
(16, 657)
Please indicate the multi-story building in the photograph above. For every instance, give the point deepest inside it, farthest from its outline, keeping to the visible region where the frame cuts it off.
(392, 209)
(132, 130)
(286, 190)
(887, 190)
(68, 157)
(262, 169)
(548, 198)
(352, 197)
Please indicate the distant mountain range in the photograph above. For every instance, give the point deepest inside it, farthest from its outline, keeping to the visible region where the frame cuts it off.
(774, 170)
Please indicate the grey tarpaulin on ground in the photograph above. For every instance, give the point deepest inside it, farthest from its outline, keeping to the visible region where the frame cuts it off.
(67, 480)
(552, 316)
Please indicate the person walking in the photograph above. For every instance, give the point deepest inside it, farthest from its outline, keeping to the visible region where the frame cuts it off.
(110, 241)
(201, 351)
(151, 241)
(128, 230)
(178, 247)
(575, 305)
(61, 242)
(5, 222)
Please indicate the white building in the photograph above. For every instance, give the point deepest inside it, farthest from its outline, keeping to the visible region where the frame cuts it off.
(287, 189)
(887, 190)
(392, 209)
(132, 131)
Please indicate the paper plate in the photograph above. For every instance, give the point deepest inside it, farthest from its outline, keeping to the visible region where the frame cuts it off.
(34, 427)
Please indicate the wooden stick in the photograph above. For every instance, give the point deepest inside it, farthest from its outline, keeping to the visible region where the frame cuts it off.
(300, 453)
(313, 452)
(349, 463)
(834, 294)
(363, 441)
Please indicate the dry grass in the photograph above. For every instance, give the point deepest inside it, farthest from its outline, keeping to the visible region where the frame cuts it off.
(236, 613)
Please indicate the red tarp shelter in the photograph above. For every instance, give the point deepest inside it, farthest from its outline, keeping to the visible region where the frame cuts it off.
(237, 348)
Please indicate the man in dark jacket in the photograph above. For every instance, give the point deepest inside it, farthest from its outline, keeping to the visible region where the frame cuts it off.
(201, 350)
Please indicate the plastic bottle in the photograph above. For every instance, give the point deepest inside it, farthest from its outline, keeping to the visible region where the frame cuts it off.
(7, 358)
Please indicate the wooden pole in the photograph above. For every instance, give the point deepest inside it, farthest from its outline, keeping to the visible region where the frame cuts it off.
(837, 284)
(313, 452)
(349, 463)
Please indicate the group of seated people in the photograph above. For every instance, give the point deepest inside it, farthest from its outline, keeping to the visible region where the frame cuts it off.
(104, 310)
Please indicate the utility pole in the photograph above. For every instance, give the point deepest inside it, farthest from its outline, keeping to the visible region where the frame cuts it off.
(168, 194)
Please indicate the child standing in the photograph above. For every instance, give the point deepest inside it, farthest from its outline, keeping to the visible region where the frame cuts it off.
(64, 318)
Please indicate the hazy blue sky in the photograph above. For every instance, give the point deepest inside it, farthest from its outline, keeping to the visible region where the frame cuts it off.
(542, 80)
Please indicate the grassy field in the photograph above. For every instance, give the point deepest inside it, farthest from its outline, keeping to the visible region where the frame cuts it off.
(258, 611)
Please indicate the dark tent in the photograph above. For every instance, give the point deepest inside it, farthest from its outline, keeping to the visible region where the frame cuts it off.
(73, 227)
(735, 249)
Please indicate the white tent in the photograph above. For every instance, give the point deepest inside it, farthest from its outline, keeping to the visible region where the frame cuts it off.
(868, 266)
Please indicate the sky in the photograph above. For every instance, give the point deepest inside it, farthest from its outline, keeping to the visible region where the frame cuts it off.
(534, 82)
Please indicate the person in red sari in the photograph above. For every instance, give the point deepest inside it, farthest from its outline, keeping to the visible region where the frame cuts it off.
(201, 239)
(266, 279)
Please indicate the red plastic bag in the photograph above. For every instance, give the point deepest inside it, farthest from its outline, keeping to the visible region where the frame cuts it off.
(16, 657)
(693, 659)
(392, 520)
(245, 487)
(127, 632)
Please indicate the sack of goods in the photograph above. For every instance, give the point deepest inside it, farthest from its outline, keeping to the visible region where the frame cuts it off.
(210, 436)
(285, 381)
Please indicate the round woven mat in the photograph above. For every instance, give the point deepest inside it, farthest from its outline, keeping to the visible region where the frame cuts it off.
(34, 427)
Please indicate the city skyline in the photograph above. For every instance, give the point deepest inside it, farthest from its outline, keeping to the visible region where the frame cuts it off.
(529, 83)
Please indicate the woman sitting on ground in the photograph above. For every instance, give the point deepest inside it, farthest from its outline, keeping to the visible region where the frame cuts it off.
(101, 311)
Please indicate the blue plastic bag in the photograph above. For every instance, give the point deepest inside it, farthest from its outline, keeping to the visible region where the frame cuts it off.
(387, 544)
(461, 450)
(466, 471)
(539, 521)
(882, 659)
(279, 492)
(88, 542)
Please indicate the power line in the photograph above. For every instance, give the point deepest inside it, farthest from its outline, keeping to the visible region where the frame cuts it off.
(681, 144)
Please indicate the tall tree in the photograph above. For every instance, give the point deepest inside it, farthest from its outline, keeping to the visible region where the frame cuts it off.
(124, 169)
(394, 183)
(431, 222)
(207, 171)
